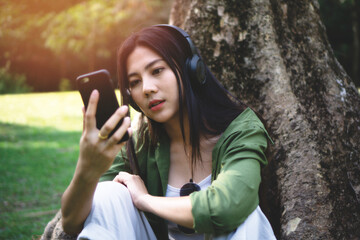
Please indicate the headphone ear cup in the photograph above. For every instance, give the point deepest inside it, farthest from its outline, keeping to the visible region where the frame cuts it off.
(200, 72)
(196, 69)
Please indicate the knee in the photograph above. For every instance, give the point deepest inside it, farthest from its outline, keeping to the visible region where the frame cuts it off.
(111, 190)
(111, 199)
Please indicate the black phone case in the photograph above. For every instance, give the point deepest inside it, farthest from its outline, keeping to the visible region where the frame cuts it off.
(107, 104)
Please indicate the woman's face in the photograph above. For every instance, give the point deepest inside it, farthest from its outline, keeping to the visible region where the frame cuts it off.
(153, 85)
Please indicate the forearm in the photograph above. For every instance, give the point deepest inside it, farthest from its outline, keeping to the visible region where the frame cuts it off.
(175, 209)
(76, 203)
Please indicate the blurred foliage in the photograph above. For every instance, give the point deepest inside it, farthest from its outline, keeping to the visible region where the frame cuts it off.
(12, 83)
(64, 85)
(49, 40)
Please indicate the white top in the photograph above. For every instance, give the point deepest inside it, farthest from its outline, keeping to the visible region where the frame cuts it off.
(174, 232)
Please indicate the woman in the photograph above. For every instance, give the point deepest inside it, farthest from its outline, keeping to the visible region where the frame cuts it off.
(199, 152)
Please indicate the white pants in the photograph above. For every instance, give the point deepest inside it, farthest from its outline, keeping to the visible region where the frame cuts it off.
(113, 216)
(255, 227)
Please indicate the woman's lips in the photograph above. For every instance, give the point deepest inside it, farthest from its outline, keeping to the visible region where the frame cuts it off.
(156, 105)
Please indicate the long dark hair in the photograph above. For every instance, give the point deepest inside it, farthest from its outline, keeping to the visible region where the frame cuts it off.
(210, 107)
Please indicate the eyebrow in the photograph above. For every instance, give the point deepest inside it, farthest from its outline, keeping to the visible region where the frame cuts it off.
(149, 65)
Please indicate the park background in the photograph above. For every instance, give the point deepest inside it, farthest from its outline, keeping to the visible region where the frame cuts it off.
(44, 45)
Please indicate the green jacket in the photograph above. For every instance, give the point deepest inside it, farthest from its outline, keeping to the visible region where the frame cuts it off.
(233, 194)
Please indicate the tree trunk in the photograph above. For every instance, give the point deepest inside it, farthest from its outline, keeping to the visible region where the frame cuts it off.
(356, 42)
(275, 56)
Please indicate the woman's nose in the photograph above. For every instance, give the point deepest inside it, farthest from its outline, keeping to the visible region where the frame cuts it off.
(149, 86)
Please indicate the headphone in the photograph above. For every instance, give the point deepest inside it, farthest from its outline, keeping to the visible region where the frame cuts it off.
(195, 65)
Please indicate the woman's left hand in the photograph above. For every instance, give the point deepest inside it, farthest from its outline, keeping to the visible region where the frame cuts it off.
(136, 188)
(175, 209)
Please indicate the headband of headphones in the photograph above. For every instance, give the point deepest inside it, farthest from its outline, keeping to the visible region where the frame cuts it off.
(195, 66)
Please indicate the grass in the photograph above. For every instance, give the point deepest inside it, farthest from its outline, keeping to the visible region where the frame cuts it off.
(39, 137)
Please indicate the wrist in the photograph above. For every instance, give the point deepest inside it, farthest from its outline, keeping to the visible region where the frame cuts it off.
(144, 203)
(86, 175)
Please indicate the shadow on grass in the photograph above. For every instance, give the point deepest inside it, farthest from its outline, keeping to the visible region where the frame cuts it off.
(36, 165)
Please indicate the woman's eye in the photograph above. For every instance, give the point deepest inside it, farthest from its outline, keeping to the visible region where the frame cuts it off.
(133, 83)
(157, 71)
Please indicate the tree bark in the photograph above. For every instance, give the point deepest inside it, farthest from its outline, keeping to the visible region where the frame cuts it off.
(356, 42)
(275, 56)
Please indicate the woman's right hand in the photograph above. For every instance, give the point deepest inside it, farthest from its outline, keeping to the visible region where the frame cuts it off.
(96, 154)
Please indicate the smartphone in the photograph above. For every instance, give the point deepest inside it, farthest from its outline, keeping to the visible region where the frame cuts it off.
(108, 102)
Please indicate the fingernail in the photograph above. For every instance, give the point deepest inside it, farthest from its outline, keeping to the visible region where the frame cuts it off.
(95, 91)
(123, 109)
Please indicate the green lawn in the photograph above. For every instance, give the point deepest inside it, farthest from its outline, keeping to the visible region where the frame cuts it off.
(39, 136)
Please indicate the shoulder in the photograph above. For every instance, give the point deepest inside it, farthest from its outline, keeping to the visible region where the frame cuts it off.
(245, 136)
(247, 117)
(247, 120)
